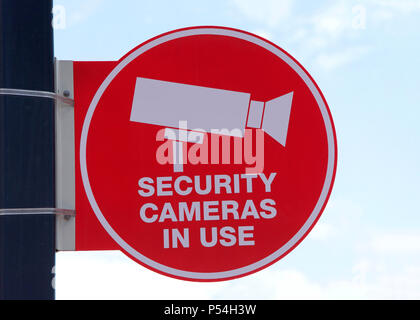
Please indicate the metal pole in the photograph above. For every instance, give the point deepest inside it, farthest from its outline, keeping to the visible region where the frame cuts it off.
(27, 240)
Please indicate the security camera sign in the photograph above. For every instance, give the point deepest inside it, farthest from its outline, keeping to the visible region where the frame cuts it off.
(204, 154)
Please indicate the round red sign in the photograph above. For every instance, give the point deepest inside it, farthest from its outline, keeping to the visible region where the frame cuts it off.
(208, 153)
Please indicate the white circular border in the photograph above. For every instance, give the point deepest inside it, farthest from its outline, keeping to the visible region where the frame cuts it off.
(295, 239)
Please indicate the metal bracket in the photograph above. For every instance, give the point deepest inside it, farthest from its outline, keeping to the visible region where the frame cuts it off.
(64, 146)
(38, 211)
(65, 153)
(64, 156)
(38, 94)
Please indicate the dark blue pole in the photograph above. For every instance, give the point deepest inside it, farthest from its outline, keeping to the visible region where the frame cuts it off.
(27, 241)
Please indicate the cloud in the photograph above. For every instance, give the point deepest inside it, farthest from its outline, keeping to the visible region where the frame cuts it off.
(382, 15)
(330, 61)
(83, 11)
(396, 243)
(322, 231)
(314, 34)
(366, 279)
(331, 35)
(112, 275)
(402, 6)
(263, 33)
(268, 12)
(332, 21)
(385, 11)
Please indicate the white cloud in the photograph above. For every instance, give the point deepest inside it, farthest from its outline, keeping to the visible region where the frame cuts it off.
(403, 6)
(268, 12)
(263, 33)
(330, 61)
(333, 21)
(382, 15)
(85, 10)
(396, 243)
(299, 34)
(292, 284)
(321, 33)
(112, 275)
(322, 231)
(385, 11)
(366, 280)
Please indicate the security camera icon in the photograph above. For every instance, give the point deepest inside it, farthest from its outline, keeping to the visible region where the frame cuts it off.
(165, 103)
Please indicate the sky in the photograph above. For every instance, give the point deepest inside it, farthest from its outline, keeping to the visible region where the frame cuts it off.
(364, 55)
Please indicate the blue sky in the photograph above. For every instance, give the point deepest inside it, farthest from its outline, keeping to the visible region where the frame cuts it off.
(364, 55)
